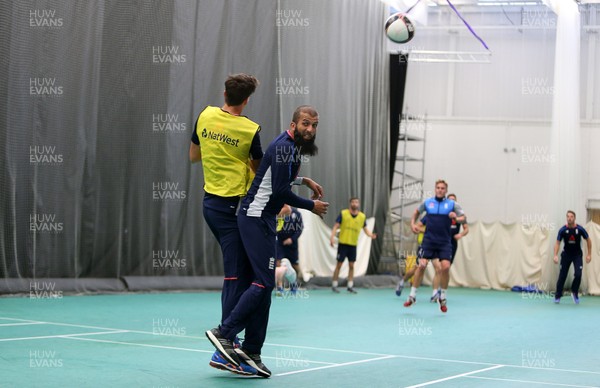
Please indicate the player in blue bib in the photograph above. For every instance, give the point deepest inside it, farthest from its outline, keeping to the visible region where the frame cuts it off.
(437, 239)
(455, 235)
(571, 234)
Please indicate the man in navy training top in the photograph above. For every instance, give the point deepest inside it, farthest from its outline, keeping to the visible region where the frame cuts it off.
(571, 234)
(437, 239)
(455, 235)
(270, 190)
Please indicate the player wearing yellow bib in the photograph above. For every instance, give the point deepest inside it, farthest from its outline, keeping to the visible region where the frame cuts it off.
(228, 144)
(349, 222)
(411, 260)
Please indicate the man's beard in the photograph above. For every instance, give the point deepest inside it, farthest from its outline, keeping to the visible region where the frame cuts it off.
(305, 147)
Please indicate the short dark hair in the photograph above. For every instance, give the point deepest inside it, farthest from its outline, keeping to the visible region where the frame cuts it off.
(238, 87)
(353, 198)
(441, 181)
(451, 195)
(572, 212)
(304, 109)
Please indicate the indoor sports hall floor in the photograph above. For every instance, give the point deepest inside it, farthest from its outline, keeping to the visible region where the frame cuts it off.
(487, 339)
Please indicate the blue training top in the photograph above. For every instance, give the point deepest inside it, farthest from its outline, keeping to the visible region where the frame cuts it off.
(271, 187)
(438, 231)
(572, 238)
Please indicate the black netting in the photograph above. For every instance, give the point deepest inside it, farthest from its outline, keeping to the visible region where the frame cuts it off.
(98, 104)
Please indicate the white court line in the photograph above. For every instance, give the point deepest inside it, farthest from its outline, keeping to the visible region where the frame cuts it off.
(323, 349)
(186, 349)
(454, 377)
(531, 382)
(143, 345)
(193, 337)
(106, 328)
(16, 319)
(553, 369)
(21, 324)
(333, 366)
(506, 365)
(61, 336)
(332, 350)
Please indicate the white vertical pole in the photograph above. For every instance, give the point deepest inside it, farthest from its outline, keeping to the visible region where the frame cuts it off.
(565, 171)
(451, 77)
(591, 67)
(566, 176)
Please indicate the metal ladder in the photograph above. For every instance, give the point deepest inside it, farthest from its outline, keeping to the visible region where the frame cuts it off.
(406, 193)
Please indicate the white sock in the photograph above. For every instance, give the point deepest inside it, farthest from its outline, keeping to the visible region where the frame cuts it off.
(350, 284)
(443, 295)
(334, 283)
(401, 282)
(413, 292)
(434, 292)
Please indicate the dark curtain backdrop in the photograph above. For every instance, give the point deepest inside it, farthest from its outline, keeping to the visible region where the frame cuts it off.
(98, 104)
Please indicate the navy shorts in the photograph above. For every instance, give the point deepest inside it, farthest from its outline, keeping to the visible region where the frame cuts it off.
(346, 251)
(436, 252)
(289, 252)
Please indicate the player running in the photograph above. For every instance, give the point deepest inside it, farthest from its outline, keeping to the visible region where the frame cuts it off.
(436, 240)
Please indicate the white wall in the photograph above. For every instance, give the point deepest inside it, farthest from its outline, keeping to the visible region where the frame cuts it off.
(590, 144)
(490, 183)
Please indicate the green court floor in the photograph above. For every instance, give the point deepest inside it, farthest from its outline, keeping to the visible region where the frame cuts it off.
(315, 338)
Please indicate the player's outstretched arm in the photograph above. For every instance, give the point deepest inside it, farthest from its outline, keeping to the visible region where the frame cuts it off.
(556, 246)
(465, 231)
(320, 207)
(195, 153)
(461, 219)
(588, 258)
(372, 236)
(314, 186)
(458, 214)
(336, 226)
(413, 222)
